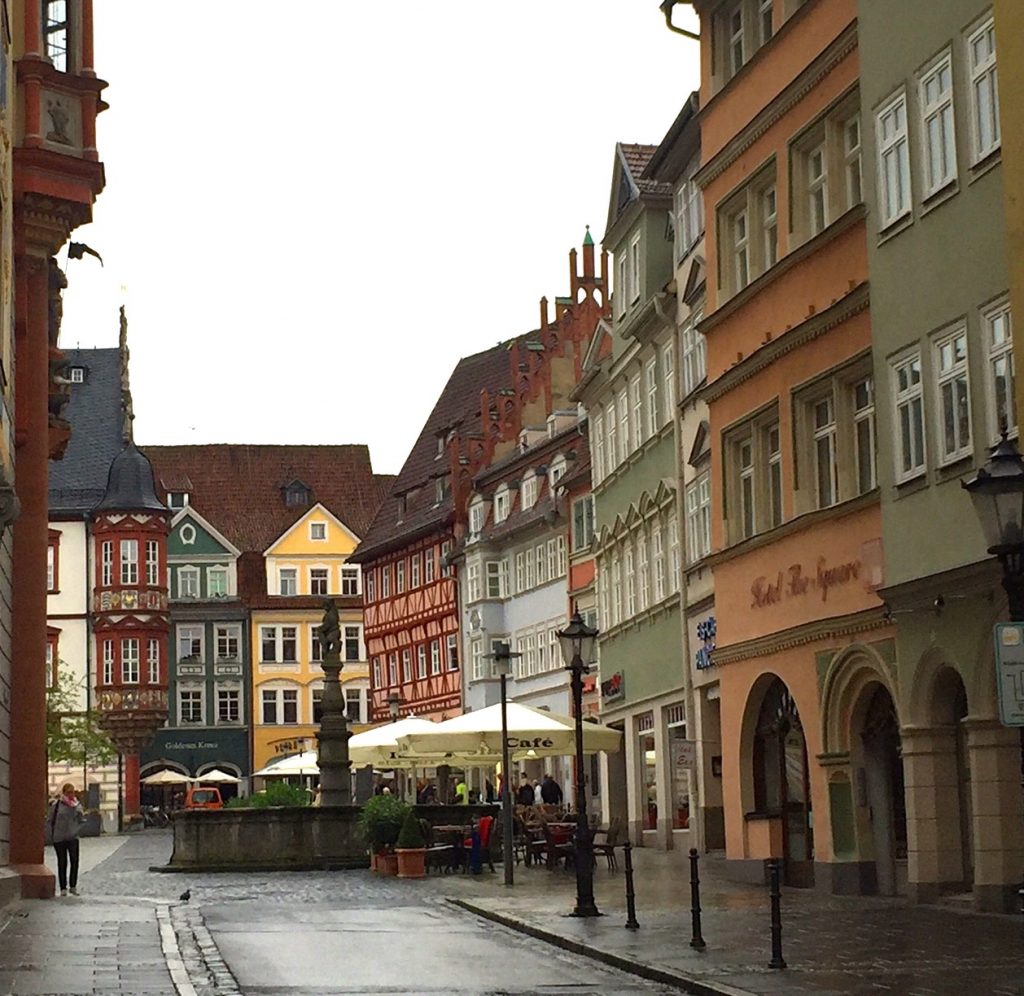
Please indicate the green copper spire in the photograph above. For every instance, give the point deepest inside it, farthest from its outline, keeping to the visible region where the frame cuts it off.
(587, 240)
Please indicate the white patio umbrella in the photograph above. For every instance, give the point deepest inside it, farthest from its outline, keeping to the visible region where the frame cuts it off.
(217, 777)
(531, 733)
(167, 777)
(378, 746)
(293, 764)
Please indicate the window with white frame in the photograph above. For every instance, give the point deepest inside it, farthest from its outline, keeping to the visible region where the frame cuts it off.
(421, 661)
(108, 662)
(634, 269)
(689, 217)
(530, 576)
(316, 648)
(153, 661)
(823, 421)
(318, 580)
(497, 578)
(769, 225)
(752, 476)
(935, 90)
(541, 562)
(604, 592)
(852, 167)
(287, 581)
(636, 411)
(698, 518)
(477, 511)
(694, 356)
(378, 676)
(748, 232)
(529, 490)
(555, 646)
(152, 563)
(190, 705)
(624, 437)
(414, 570)
(817, 189)
(502, 503)
(557, 470)
(318, 532)
(740, 232)
(429, 564)
(435, 656)
(611, 436)
(737, 42)
(651, 388)
(385, 581)
(981, 55)
(520, 572)
(279, 644)
(668, 373)
(657, 561)
(998, 332)
(952, 394)
(561, 559)
(355, 703)
(188, 582)
(107, 564)
(621, 295)
(476, 653)
(371, 583)
(190, 642)
(552, 551)
(400, 576)
(77, 375)
(406, 665)
(893, 161)
(629, 572)
(764, 20)
(616, 594)
(582, 523)
(863, 398)
(217, 582)
(453, 651)
(280, 706)
(352, 643)
(229, 704)
(773, 446)
(675, 561)
(129, 561)
(597, 448)
(56, 28)
(350, 581)
(393, 669)
(747, 489)
(228, 639)
(909, 403)
(643, 574)
(473, 582)
(130, 661)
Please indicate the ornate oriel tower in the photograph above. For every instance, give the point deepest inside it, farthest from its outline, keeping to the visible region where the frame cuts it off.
(129, 529)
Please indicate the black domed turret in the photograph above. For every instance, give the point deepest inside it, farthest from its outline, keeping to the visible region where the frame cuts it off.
(130, 483)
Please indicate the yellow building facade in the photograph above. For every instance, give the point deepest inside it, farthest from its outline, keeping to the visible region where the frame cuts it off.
(305, 565)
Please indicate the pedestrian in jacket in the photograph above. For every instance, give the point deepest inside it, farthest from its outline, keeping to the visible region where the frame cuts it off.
(66, 819)
(551, 791)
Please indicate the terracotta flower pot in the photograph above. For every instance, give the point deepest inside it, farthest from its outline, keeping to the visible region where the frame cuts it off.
(387, 864)
(411, 862)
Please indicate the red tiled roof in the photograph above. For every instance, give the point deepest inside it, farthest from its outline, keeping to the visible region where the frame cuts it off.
(238, 487)
(458, 404)
(637, 157)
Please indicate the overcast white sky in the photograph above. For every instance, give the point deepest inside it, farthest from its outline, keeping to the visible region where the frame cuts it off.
(313, 210)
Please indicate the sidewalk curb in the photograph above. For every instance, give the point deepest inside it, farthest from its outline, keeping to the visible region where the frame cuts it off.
(682, 982)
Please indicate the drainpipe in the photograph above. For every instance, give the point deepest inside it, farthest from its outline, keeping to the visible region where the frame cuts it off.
(666, 9)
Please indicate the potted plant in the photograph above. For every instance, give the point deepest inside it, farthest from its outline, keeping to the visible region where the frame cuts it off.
(380, 823)
(411, 848)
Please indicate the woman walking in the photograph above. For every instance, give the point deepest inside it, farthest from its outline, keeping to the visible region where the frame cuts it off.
(66, 818)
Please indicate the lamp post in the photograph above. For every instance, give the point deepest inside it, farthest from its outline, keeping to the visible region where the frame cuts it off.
(997, 491)
(577, 640)
(502, 657)
(394, 705)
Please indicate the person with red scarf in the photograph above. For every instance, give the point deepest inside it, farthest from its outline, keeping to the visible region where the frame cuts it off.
(66, 819)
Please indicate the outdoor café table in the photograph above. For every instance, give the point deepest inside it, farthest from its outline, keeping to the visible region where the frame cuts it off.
(558, 834)
(456, 835)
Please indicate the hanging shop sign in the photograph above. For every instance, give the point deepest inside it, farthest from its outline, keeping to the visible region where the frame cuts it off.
(707, 630)
(796, 581)
(613, 688)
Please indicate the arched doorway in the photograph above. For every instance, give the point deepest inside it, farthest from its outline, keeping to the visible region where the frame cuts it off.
(781, 783)
(949, 709)
(884, 791)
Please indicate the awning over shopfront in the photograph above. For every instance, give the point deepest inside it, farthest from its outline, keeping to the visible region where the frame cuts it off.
(377, 747)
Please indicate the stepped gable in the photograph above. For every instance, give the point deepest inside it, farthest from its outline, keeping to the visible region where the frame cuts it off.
(457, 407)
(94, 410)
(241, 488)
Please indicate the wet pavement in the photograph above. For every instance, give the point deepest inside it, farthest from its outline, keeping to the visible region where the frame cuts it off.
(355, 932)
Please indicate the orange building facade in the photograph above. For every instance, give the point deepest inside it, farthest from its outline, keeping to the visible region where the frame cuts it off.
(804, 650)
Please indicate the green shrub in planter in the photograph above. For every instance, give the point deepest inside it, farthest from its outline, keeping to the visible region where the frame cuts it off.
(411, 834)
(275, 794)
(381, 822)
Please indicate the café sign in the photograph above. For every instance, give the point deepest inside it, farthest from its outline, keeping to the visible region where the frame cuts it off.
(613, 688)
(795, 582)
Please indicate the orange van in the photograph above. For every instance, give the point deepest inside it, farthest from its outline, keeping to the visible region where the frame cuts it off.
(203, 797)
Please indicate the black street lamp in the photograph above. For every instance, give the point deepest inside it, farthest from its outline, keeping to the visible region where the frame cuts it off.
(998, 494)
(502, 657)
(578, 640)
(394, 705)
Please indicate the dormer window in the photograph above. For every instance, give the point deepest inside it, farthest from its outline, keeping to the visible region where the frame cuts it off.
(530, 490)
(557, 471)
(440, 490)
(440, 448)
(476, 517)
(502, 504)
(177, 499)
(296, 494)
(78, 375)
(55, 33)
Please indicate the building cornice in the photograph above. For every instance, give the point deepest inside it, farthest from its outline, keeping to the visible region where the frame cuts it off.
(791, 95)
(853, 303)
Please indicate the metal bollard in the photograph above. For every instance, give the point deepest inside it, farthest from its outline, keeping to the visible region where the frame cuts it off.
(774, 892)
(631, 921)
(697, 941)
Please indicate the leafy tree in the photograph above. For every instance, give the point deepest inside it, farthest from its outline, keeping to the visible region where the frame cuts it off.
(73, 736)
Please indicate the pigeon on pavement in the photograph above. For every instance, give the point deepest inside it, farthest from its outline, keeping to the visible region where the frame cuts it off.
(186, 896)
